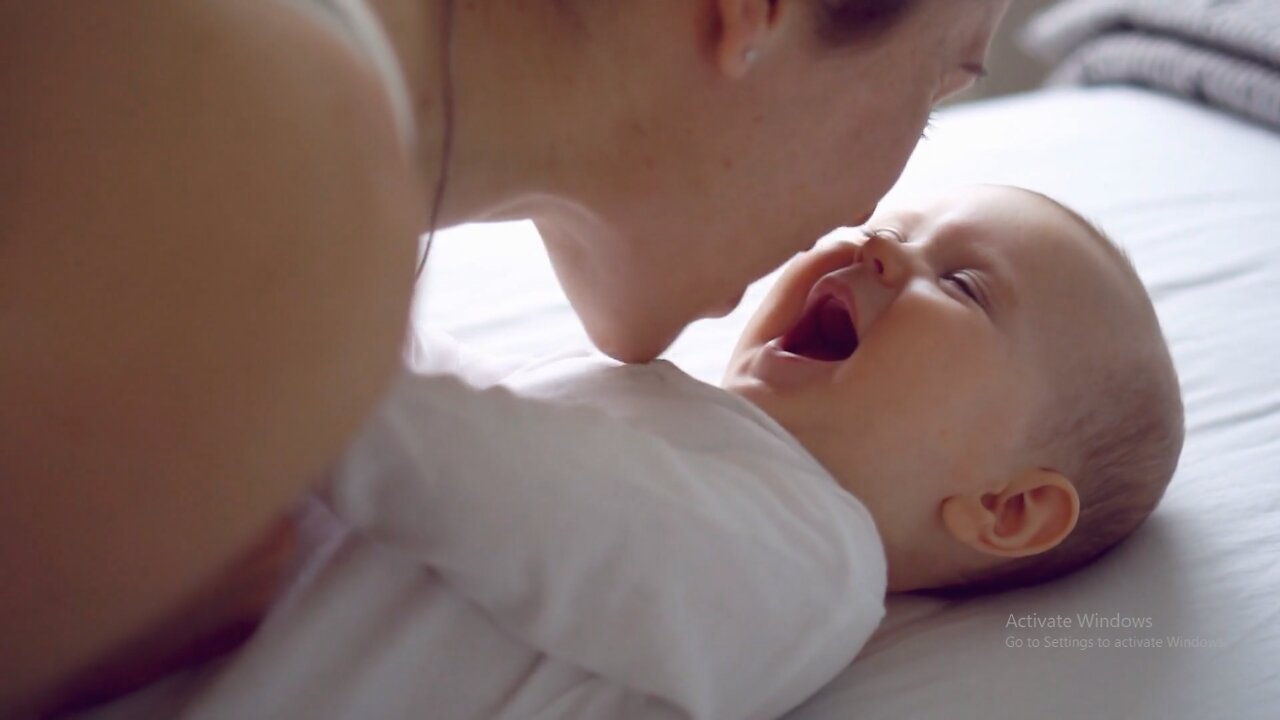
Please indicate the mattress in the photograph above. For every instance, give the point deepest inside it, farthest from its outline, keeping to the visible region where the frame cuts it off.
(1182, 620)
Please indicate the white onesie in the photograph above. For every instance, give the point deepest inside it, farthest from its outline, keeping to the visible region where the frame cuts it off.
(584, 540)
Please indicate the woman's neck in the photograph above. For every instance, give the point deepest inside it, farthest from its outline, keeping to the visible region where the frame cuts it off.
(500, 61)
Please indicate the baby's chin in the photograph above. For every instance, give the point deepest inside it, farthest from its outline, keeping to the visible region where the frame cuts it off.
(741, 383)
(753, 391)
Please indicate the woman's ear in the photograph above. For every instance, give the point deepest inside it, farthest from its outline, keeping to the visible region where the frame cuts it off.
(1032, 514)
(743, 29)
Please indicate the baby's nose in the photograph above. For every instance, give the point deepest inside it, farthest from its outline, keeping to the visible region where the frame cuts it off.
(884, 253)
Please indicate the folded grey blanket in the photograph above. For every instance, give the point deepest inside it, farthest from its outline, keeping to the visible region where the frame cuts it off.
(1222, 52)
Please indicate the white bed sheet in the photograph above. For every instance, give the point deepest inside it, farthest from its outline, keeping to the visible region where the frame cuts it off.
(1194, 196)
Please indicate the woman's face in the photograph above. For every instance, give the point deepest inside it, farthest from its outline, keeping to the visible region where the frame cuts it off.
(726, 174)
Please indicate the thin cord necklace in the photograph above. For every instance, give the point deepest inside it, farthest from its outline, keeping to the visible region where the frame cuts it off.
(446, 139)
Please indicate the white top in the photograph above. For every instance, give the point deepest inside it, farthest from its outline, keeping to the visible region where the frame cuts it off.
(611, 542)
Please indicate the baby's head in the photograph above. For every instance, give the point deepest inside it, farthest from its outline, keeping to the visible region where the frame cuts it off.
(986, 374)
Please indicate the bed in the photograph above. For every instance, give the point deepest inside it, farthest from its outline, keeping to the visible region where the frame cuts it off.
(1185, 616)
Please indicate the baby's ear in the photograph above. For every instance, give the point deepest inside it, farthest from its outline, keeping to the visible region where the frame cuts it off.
(1033, 513)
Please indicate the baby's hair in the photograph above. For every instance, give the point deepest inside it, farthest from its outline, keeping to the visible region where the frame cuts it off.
(1118, 428)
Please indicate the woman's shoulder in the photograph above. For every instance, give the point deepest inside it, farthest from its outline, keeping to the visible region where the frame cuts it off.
(245, 52)
(207, 251)
(106, 87)
(187, 113)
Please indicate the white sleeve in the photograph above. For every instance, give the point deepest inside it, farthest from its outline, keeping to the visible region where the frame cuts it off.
(724, 592)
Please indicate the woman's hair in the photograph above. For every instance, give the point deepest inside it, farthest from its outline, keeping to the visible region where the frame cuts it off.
(844, 21)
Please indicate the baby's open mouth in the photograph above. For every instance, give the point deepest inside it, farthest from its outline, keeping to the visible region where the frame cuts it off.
(825, 332)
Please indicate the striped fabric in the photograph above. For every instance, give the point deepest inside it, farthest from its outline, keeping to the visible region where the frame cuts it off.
(1222, 52)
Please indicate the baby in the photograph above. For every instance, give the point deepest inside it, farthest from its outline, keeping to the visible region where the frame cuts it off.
(986, 374)
(976, 397)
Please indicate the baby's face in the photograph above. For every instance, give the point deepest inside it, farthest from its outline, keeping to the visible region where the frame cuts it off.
(911, 364)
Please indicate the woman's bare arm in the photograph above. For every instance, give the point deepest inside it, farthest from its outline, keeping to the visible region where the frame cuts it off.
(207, 233)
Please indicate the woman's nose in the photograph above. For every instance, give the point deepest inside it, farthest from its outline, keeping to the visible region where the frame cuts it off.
(885, 254)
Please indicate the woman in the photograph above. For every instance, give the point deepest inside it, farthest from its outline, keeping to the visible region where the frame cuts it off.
(209, 231)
